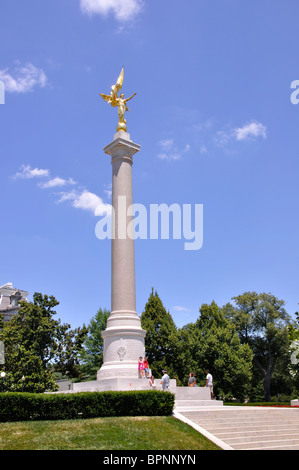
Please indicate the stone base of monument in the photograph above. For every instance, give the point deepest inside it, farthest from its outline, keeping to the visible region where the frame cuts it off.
(185, 397)
(120, 384)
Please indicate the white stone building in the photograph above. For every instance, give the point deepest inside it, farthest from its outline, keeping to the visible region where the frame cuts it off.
(9, 300)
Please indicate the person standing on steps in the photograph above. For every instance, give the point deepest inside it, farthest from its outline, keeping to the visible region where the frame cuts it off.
(141, 368)
(146, 367)
(209, 382)
(165, 380)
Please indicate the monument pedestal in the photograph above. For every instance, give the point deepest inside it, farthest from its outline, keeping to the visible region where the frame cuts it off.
(120, 384)
(186, 398)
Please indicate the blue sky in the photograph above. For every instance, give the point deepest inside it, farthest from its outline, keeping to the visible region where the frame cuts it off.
(216, 125)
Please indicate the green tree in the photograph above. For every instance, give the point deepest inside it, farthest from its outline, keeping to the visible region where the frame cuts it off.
(293, 366)
(34, 342)
(212, 343)
(262, 322)
(243, 315)
(161, 336)
(91, 355)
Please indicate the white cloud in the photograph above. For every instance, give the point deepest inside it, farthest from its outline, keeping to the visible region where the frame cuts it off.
(108, 191)
(170, 156)
(123, 10)
(23, 79)
(79, 198)
(67, 196)
(222, 138)
(251, 130)
(87, 201)
(169, 151)
(28, 172)
(57, 181)
(166, 144)
(179, 308)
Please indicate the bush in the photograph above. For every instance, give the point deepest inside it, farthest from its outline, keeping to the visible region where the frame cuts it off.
(32, 406)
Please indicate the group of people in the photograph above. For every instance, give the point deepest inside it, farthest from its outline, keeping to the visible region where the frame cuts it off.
(144, 370)
(164, 381)
(209, 381)
(143, 367)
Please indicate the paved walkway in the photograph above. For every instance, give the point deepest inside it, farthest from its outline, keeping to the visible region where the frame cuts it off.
(245, 428)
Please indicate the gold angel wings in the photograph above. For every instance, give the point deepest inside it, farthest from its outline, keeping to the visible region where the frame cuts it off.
(119, 101)
(112, 98)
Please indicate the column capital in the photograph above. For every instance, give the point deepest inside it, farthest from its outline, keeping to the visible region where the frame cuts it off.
(121, 146)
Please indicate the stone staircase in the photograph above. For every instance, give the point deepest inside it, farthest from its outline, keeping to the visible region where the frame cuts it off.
(245, 428)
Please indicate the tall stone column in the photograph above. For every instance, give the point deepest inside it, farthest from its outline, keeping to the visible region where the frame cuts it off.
(123, 337)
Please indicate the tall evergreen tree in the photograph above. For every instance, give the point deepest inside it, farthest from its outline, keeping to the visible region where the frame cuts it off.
(161, 336)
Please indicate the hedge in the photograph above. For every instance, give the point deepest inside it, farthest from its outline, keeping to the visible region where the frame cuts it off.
(16, 406)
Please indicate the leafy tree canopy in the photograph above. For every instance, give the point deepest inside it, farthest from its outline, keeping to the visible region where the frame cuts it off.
(262, 322)
(35, 344)
(212, 343)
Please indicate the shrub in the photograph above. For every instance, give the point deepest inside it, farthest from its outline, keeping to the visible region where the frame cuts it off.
(32, 406)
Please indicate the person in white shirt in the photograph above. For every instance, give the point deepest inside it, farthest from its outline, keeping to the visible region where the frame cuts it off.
(209, 382)
(165, 380)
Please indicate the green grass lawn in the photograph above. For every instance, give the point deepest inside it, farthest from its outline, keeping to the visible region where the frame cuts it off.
(122, 433)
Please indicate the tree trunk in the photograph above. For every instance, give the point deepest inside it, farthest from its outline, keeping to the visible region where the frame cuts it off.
(267, 375)
(267, 378)
(267, 387)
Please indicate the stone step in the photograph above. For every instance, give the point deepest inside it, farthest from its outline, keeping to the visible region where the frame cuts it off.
(211, 416)
(249, 428)
(255, 427)
(228, 411)
(262, 445)
(250, 436)
(239, 421)
(196, 403)
(279, 447)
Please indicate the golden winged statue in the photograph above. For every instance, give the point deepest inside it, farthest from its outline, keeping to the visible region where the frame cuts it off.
(119, 101)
